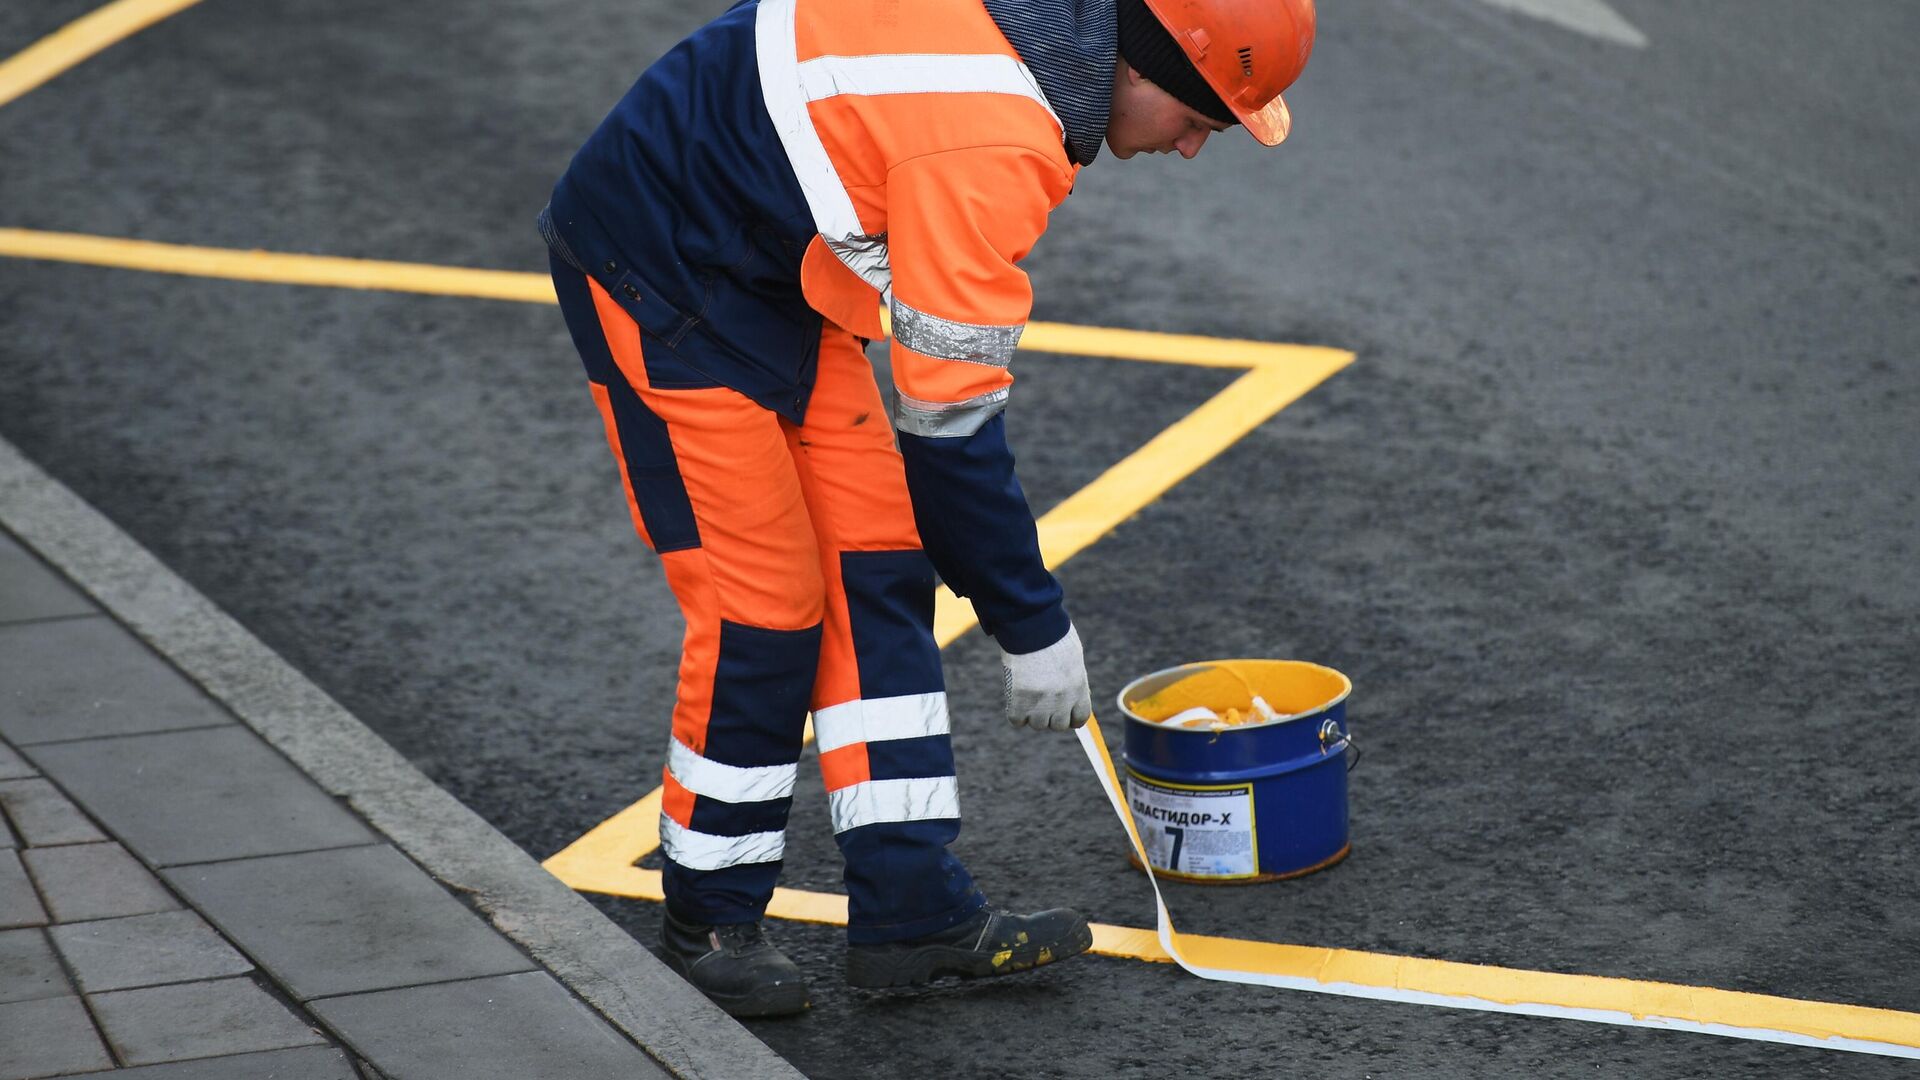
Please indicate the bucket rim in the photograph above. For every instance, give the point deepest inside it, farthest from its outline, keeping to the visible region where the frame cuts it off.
(1120, 699)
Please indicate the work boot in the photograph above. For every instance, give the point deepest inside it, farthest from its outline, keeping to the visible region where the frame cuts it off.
(993, 942)
(736, 966)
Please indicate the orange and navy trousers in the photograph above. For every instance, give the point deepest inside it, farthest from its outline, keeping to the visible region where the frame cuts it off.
(793, 554)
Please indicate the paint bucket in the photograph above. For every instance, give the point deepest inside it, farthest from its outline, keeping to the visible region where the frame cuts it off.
(1251, 802)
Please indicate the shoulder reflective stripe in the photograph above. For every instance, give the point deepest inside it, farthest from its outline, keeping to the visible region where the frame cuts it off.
(879, 801)
(920, 73)
(705, 851)
(945, 339)
(909, 716)
(945, 420)
(730, 783)
(827, 198)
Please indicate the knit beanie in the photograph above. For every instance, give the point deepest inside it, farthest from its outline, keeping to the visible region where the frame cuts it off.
(1150, 50)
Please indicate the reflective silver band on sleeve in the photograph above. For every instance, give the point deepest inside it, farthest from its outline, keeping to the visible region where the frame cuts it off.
(945, 339)
(946, 420)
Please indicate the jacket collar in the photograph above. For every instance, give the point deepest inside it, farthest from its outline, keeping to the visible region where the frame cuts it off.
(1070, 46)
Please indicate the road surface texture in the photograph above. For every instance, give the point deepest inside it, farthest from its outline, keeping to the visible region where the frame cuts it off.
(1612, 520)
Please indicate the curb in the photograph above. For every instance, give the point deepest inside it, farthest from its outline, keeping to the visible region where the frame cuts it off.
(591, 956)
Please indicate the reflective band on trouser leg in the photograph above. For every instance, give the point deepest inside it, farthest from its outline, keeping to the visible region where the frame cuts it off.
(880, 707)
(730, 783)
(704, 851)
(909, 716)
(878, 802)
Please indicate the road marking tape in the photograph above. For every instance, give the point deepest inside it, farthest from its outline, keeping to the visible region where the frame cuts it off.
(1415, 981)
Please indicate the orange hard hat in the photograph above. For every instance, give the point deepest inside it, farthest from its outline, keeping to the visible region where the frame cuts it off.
(1248, 51)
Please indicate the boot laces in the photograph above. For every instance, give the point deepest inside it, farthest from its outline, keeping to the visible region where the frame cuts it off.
(736, 937)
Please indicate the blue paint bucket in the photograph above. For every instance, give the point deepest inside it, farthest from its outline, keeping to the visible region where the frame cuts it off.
(1254, 801)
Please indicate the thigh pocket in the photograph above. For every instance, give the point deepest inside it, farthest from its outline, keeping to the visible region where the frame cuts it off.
(656, 493)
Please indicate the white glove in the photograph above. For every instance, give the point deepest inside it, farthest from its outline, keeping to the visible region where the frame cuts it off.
(1047, 690)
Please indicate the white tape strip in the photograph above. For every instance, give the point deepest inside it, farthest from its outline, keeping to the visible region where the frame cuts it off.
(1096, 751)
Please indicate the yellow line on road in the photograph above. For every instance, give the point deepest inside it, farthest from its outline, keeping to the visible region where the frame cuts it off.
(326, 271)
(75, 42)
(1415, 975)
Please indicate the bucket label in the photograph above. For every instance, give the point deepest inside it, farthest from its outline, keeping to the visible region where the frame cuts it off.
(1203, 832)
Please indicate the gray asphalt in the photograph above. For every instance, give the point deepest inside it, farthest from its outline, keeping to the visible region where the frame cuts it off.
(1612, 522)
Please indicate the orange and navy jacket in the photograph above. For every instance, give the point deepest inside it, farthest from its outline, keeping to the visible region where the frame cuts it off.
(801, 161)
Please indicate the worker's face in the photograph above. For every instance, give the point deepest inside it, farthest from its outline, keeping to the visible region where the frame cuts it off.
(1145, 117)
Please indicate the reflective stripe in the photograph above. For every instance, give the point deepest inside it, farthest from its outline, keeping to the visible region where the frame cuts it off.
(827, 198)
(920, 73)
(878, 801)
(705, 851)
(730, 783)
(945, 339)
(787, 85)
(946, 420)
(868, 258)
(909, 716)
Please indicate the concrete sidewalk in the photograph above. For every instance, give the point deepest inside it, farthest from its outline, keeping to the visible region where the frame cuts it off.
(182, 894)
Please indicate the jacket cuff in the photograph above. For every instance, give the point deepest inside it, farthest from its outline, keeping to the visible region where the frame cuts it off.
(1031, 633)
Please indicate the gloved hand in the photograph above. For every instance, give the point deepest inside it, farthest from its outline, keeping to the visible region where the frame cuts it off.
(1047, 689)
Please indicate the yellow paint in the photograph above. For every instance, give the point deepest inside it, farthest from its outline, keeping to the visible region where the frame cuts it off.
(1000, 958)
(92, 33)
(320, 270)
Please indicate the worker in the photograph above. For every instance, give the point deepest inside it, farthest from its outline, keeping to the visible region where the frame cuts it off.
(722, 247)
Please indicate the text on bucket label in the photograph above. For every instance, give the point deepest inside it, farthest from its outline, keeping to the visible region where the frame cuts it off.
(1200, 832)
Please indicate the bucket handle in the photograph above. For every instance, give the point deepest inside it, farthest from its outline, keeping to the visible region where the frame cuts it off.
(1330, 733)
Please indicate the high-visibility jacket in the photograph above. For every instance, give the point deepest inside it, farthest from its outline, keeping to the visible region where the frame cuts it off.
(801, 160)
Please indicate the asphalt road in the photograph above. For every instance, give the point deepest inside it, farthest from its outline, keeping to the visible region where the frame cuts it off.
(1612, 522)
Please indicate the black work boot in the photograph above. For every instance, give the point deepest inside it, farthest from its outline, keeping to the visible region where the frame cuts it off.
(993, 942)
(735, 966)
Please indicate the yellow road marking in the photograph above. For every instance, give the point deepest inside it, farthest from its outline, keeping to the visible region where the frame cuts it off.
(1415, 975)
(326, 271)
(75, 42)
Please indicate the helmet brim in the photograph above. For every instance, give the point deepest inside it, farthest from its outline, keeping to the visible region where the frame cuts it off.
(1270, 123)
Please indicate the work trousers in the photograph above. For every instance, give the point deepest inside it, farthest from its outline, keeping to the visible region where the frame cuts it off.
(792, 551)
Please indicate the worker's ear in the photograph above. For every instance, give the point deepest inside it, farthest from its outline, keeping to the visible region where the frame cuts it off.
(1133, 76)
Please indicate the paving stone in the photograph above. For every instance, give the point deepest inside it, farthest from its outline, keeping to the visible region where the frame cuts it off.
(145, 950)
(19, 904)
(12, 765)
(48, 1037)
(305, 1063)
(510, 1025)
(29, 589)
(82, 678)
(28, 968)
(7, 839)
(196, 1020)
(199, 796)
(95, 881)
(336, 922)
(43, 817)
